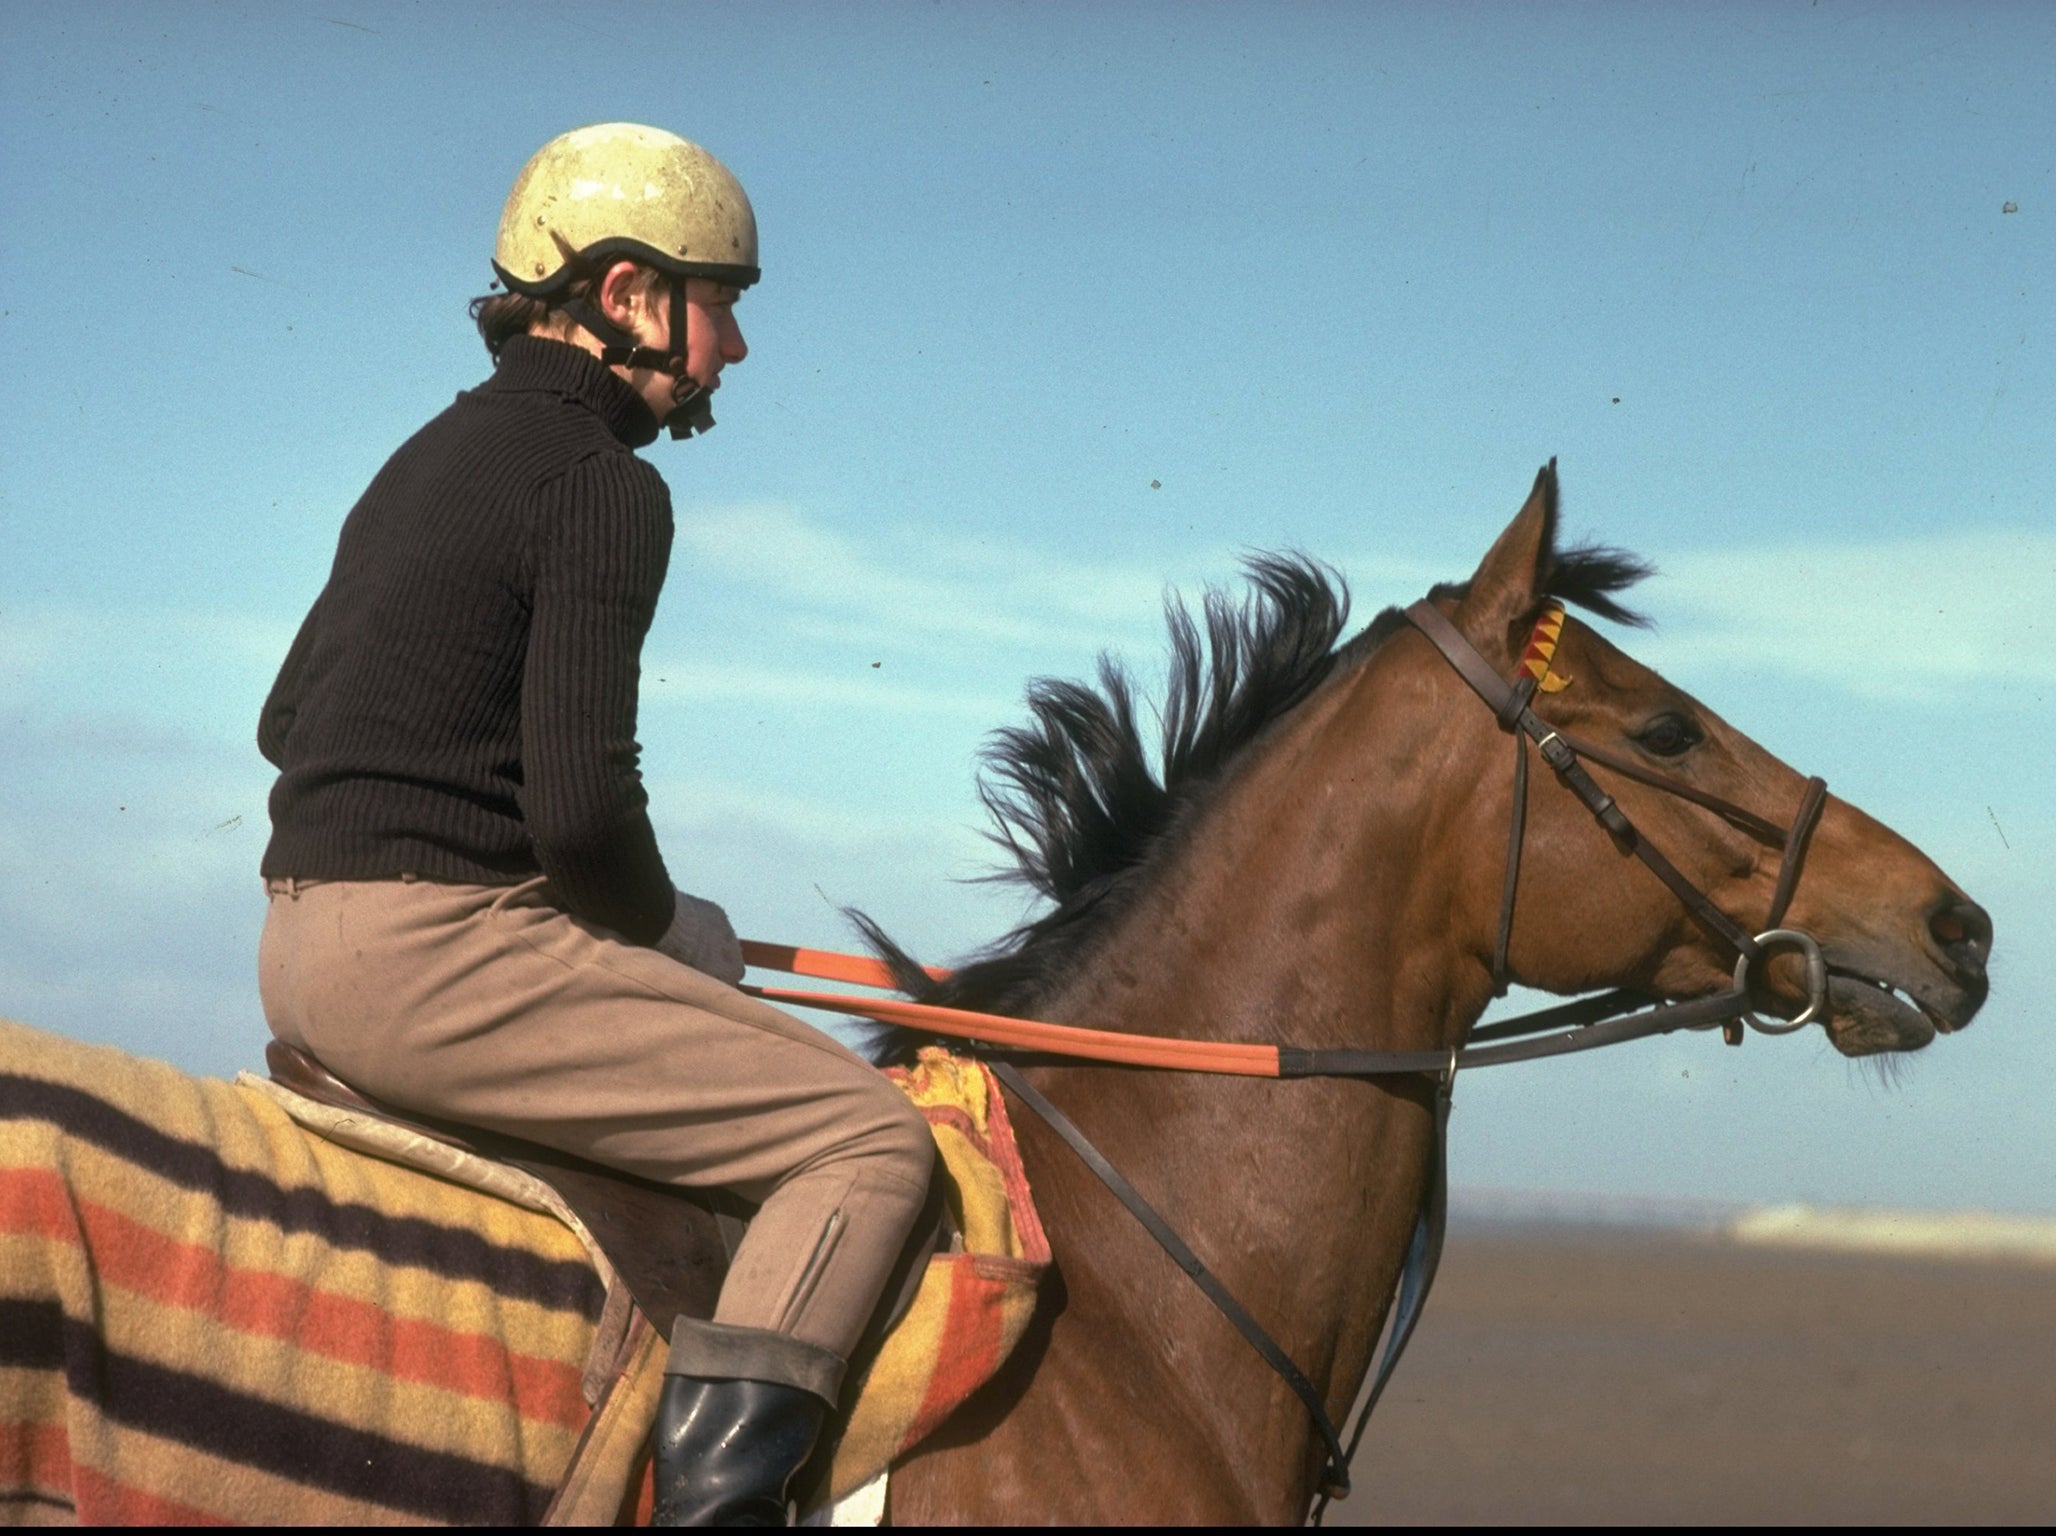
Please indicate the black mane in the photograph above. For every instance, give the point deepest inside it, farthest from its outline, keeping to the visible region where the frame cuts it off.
(1082, 809)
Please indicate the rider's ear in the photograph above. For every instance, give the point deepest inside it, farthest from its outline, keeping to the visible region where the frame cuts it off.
(1514, 573)
(621, 293)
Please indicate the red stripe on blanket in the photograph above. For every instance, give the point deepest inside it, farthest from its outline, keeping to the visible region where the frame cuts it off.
(138, 1259)
(35, 1458)
(35, 1203)
(103, 1501)
(969, 1354)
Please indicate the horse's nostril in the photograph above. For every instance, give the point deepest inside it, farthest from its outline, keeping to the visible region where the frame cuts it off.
(1964, 931)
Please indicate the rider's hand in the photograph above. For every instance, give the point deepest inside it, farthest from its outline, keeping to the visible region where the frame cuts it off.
(701, 936)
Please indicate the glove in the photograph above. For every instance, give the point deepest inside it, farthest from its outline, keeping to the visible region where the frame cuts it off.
(701, 936)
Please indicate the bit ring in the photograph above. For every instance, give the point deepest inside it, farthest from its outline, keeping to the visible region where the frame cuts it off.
(1816, 1008)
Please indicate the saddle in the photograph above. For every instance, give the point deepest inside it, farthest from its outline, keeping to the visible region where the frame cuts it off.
(669, 1249)
(669, 1246)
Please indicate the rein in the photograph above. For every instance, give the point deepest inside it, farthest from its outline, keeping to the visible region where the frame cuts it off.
(1607, 1018)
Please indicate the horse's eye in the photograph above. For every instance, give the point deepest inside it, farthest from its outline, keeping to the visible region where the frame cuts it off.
(1669, 736)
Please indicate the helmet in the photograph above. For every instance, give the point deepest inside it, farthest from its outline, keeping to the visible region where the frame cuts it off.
(622, 191)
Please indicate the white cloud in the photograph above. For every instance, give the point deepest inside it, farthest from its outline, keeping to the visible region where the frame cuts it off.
(205, 668)
(779, 687)
(931, 582)
(703, 805)
(35, 635)
(784, 864)
(971, 608)
(1907, 619)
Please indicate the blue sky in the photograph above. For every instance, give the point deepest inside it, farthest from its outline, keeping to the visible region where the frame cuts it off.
(1064, 303)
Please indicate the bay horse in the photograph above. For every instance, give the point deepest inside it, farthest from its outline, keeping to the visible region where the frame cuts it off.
(1317, 858)
(1320, 862)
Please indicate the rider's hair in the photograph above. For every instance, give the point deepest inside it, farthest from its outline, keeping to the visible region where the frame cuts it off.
(501, 315)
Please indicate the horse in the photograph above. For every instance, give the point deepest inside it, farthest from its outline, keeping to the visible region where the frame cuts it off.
(1321, 861)
(1316, 854)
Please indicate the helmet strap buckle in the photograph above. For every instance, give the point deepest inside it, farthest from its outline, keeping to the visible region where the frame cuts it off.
(692, 409)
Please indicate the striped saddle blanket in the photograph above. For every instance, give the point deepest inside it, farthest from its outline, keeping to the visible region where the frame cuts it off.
(209, 1314)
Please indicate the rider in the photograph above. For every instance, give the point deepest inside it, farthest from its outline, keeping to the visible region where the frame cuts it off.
(468, 913)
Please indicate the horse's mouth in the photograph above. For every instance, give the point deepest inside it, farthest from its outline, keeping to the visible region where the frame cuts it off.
(1867, 1015)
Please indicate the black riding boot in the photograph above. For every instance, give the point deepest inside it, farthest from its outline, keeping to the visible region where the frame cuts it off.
(730, 1438)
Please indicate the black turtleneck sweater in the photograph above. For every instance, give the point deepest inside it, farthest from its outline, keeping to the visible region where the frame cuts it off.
(460, 702)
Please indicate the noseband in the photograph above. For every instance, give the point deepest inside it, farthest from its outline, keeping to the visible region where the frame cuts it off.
(1512, 706)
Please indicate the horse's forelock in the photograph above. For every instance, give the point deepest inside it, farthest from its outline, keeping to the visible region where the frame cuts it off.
(1586, 576)
(1590, 574)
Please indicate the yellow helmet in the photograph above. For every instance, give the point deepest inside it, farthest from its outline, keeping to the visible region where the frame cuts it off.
(623, 191)
(626, 192)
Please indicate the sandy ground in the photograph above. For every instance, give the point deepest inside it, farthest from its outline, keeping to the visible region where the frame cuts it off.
(1606, 1377)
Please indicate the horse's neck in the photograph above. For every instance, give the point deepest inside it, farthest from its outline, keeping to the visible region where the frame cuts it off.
(1290, 914)
(1307, 904)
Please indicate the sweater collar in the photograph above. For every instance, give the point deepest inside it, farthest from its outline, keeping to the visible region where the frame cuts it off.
(557, 367)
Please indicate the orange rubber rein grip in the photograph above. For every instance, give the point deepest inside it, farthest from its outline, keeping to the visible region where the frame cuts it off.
(963, 1023)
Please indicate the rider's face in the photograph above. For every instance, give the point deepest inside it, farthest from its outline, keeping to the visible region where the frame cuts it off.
(713, 340)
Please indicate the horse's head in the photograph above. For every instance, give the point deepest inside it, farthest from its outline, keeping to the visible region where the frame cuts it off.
(1906, 948)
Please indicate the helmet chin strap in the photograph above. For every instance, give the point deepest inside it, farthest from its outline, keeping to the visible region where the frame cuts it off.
(692, 403)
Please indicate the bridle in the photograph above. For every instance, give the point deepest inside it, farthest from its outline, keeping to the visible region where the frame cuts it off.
(1604, 1019)
(1512, 706)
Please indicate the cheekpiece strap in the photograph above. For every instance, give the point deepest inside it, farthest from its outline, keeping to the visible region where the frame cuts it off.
(1501, 696)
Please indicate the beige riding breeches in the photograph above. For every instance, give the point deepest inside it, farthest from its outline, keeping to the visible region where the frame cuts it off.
(487, 1005)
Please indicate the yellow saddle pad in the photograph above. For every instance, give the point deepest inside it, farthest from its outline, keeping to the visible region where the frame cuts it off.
(968, 1313)
(972, 1307)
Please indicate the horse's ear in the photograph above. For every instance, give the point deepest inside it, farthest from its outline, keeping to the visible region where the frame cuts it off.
(1515, 571)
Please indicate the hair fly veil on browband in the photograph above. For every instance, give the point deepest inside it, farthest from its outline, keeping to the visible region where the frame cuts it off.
(1541, 651)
